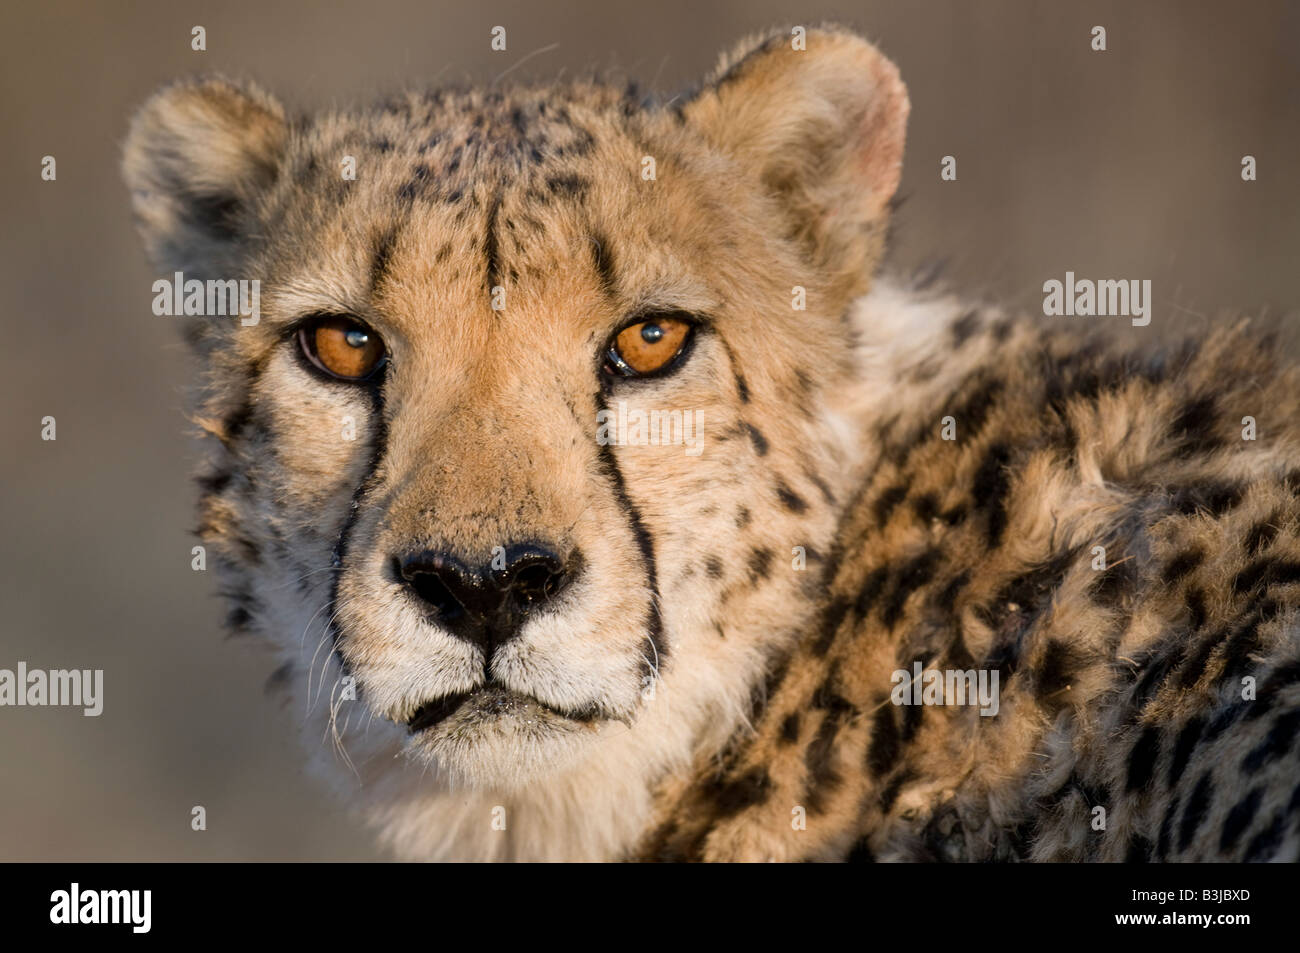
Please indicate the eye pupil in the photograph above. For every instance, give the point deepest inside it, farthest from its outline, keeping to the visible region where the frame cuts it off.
(356, 338)
(652, 334)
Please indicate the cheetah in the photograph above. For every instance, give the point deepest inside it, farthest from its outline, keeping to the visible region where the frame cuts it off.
(520, 632)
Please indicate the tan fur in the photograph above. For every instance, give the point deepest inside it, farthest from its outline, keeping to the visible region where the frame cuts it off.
(691, 635)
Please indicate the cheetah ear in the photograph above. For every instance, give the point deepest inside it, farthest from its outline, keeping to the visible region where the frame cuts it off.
(820, 130)
(197, 155)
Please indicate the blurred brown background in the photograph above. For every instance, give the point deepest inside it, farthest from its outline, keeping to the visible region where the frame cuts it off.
(1121, 164)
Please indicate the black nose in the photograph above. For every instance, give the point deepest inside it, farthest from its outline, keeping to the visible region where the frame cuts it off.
(486, 605)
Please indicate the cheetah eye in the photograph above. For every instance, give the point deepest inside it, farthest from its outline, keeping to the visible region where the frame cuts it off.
(341, 346)
(652, 345)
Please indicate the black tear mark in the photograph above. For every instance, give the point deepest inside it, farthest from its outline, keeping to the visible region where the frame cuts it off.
(645, 544)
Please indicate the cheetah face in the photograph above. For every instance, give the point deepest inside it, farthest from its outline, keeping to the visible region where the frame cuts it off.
(538, 402)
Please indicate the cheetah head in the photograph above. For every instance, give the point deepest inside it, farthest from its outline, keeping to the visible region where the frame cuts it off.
(535, 440)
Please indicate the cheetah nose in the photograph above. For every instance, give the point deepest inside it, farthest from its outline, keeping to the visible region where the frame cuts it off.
(486, 605)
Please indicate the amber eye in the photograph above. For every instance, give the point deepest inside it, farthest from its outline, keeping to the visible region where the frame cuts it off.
(649, 346)
(342, 347)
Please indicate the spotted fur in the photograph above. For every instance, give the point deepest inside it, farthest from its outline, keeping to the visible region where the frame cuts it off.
(721, 661)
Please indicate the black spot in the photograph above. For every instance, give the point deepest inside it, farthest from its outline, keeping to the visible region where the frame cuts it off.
(1055, 673)
(1265, 572)
(757, 439)
(1195, 600)
(1264, 844)
(1195, 659)
(912, 575)
(567, 185)
(990, 489)
(790, 728)
(1226, 718)
(791, 500)
(1213, 498)
(946, 597)
(1239, 818)
(713, 566)
(829, 625)
(760, 564)
(887, 501)
(1142, 760)
(742, 388)
(871, 588)
(1165, 839)
(1259, 537)
(861, 853)
(1182, 564)
(885, 746)
(1154, 671)
(743, 516)
(1193, 428)
(970, 416)
(964, 327)
(889, 794)
(1139, 851)
(216, 214)
(912, 717)
(1183, 748)
(1281, 676)
(1244, 641)
(926, 507)
(1278, 742)
(823, 777)
(954, 514)
(751, 788)
(239, 620)
(214, 482)
(1114, 583)
(1194, 813)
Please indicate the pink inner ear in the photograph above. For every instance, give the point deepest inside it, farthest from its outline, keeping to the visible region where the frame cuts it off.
(881, 135)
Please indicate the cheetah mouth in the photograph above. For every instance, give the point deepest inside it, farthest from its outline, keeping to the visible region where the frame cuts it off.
(493, 700)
